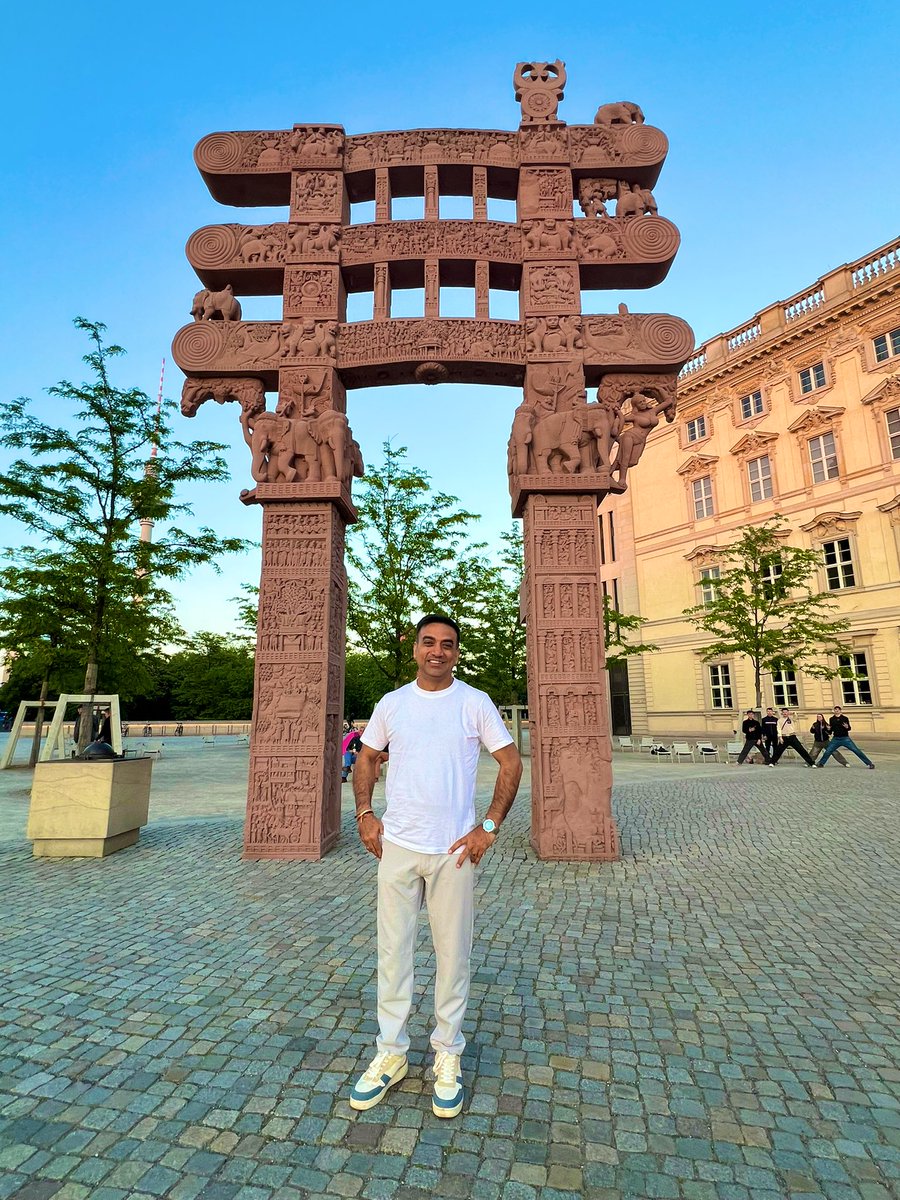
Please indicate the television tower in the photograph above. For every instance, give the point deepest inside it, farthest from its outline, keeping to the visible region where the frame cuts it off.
(146, 522)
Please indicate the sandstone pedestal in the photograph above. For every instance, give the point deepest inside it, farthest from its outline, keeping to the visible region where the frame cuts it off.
(88, 809)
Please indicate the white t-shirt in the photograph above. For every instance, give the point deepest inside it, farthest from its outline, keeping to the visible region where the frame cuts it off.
(435, 739)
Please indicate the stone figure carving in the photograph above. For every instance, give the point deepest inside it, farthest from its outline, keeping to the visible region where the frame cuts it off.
(550, 235)
(601, 425)
(216, 306)
(555, 443)
(539, 87)
(290, 449)
(622, 112)
(593, 195)
(632, 200)
(310, 339)
(552, 335)
(259, 246)
(315, 238)
(639, 422)
(249, 393)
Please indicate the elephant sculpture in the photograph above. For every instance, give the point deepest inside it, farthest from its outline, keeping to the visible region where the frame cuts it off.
(622, 112)
(216, 306)
(555, 443)
(601, 425)
(297, 450)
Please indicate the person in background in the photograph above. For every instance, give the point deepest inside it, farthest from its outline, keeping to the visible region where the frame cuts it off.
(841, 740)
(350, 746)
(821, 731)
(753, 737)
(787, 736)
(770, 732)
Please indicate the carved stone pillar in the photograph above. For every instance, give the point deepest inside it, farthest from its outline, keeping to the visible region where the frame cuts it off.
(571, 771)
(479, 193)
(432, 197)
(382, 194)
(294, 794)
(432, 288)
(381, 309)
(482, 290)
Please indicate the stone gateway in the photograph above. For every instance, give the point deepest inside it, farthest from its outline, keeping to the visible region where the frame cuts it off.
(586, 219)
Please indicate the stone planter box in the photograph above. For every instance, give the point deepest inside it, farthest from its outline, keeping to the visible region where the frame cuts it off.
(88, 809)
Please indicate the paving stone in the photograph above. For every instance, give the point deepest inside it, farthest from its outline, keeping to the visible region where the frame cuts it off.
(685, 1023)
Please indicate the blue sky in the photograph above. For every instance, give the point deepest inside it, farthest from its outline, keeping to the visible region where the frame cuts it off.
(783, 164)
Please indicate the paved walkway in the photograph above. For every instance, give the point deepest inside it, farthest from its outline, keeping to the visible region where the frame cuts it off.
(715, 1017)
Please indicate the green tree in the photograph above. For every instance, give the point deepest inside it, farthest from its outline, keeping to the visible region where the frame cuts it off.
(764, 606)
(616, 625)
(212, 679)
(79, 493)
(406, 541)
(483, 593)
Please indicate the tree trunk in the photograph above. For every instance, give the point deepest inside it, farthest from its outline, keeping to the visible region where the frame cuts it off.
(86, 724)
(757, 676)
(38, 724)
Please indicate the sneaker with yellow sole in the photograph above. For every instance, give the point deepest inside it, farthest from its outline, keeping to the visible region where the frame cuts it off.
(382, 1073)
(447, 1097)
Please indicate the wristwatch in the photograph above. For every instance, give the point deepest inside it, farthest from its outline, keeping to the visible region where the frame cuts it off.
(488, 825)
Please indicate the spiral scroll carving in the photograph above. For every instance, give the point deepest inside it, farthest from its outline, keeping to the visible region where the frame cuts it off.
(668, 338)
(199, 346)
(219, 152)
(643, 144)
(213, 246)
(650, 239)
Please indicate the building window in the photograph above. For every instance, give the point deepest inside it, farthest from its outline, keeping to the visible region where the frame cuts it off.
(752, 405)
(720, 685)
(823, 457)
(784, 689)
(703, 501)
(612, 537)
(770, 570)
(708, 576)
(812, 378)
(839, 564)
(602, 543)
(859, 689)
(696, 429)
(759, 473)
(892, 417)
(887, 345)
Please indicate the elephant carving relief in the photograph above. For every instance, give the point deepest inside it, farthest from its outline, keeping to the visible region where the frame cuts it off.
(621, 112)
(216, 306)
(299, 450)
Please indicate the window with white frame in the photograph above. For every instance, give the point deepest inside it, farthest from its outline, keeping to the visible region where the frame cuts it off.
(812, 378)
(823, 457)
(892, 416)
(857, 690)
(703, 498)
(770, 570)
(887, 345)
(784, 688)
(759, 475)
(839, 572)
(720, 685)
(696, 429)
(708, 577)
(752, 405)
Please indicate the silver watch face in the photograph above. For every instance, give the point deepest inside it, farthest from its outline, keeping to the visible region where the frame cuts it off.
(488, 826)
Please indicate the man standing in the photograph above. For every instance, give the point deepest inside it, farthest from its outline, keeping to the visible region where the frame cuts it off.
(770, 732)
(752, 731)
(787, 736)
(841, 740)
(428, 845)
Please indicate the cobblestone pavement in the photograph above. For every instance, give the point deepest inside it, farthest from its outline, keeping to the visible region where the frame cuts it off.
(715, 1017)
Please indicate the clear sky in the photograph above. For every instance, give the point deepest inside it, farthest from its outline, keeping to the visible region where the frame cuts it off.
(782, 120)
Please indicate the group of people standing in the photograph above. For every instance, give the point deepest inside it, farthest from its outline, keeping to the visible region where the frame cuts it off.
(772, 735)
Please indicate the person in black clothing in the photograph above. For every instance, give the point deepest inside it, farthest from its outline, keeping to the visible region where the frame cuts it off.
(841, 740)
(787, 736)
(821, 731)
(770, 732)
(753, 737)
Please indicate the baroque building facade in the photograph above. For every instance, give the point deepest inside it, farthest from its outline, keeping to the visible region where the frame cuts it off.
(797, 413)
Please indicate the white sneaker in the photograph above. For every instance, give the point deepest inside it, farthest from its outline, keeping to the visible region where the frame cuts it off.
(447, 1097)
(382, 1073)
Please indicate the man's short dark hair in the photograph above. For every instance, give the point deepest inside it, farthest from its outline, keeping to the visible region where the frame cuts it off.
(437, 619)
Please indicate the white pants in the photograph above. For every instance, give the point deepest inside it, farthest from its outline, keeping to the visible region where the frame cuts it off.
(406, 880)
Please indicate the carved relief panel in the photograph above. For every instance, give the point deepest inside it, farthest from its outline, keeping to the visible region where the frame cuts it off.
(545, 192)
(314, 292)
(318, 196)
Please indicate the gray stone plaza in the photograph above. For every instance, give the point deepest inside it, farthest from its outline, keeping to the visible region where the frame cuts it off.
(715, 1017)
